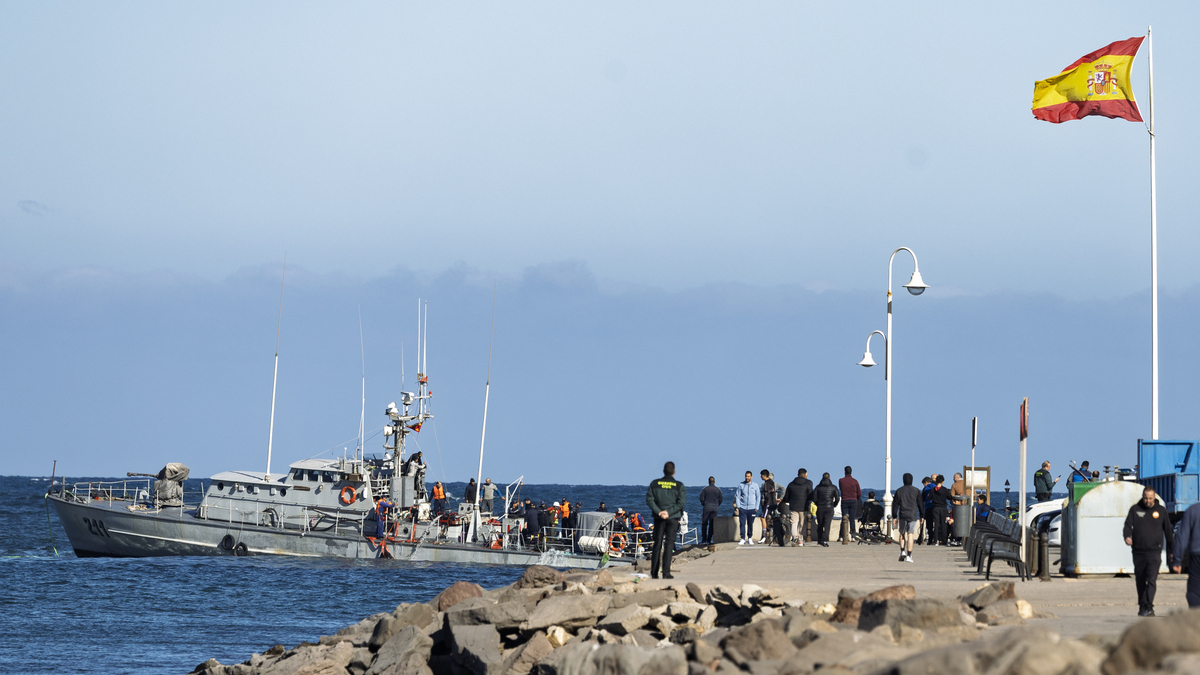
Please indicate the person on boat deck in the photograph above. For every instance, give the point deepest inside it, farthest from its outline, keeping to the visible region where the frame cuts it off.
(637, 525)
(439, 498)
(532, 521)
(383, 506)
(486, 495)
(472, 490)
(602, 508)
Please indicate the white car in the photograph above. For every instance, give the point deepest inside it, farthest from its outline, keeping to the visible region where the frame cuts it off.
(1038, 508)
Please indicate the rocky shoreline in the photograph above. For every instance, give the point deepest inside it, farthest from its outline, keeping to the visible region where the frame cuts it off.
(609, 623)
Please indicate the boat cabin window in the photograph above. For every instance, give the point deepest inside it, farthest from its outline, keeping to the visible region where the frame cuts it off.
(251, 489)
(328, 477)
(298, 474)
(312, 476)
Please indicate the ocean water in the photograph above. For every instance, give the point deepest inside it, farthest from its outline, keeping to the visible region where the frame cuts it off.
(63, 614)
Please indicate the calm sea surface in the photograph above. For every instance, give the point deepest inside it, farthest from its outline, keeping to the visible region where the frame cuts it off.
(62, 614)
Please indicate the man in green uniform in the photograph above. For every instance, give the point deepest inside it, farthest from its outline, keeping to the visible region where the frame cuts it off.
(1043, 484)
(665, 498)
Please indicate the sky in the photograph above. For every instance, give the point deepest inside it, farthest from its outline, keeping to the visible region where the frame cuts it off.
(686, 210)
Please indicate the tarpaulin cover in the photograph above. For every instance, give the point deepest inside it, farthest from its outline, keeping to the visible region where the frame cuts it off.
(168, 489)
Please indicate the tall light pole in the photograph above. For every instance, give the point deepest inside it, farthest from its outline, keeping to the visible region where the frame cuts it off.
(916, 286)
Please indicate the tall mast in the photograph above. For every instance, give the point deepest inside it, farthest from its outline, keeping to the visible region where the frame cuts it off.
(362, 420)
(275, 378)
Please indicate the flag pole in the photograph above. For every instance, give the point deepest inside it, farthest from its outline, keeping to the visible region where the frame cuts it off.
(1153, 256)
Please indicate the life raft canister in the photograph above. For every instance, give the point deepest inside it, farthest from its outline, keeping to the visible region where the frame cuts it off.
(348, 495)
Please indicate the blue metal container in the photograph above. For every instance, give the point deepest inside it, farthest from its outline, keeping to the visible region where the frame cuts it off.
(1172, 468)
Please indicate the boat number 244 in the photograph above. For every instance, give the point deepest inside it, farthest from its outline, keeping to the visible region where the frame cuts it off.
(96, 527)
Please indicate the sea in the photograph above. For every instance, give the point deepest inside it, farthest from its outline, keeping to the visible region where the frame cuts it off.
(150, 616)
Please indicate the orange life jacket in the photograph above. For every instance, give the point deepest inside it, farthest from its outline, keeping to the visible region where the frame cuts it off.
(637, 523)
(566, 510)
(439, 492)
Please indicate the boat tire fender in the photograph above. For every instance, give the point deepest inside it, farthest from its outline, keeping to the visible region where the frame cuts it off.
(227, 542)
(241, 549)
(348, 495)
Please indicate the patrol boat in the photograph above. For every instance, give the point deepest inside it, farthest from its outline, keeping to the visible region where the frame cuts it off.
(319, 508)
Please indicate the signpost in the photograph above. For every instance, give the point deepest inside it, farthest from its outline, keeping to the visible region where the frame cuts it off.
(971, 481)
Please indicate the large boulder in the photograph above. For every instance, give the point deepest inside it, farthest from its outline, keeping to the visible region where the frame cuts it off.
(625, 620)
(923, 613)
(1022, 650)
(456, 593)
(850, 601)
(502, 615)
(592, 659)
(477, 649)
(407, 642)
(1146, 643)
(358, 634)
(313, 660)
(568, 611)
(656, 598)
(761, 641)
(685, 611)
(422, 616)
(522, 659)
(536, 576)
(851, 649)
(989, 593)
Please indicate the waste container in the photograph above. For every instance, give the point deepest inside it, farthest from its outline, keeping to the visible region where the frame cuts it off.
(962, 521)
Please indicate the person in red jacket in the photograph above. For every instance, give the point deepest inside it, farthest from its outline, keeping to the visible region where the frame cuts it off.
(851, 500)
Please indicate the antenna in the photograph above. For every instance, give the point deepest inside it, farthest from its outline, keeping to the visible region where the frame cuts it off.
(275, 379)
(362, 420)
(487, 387)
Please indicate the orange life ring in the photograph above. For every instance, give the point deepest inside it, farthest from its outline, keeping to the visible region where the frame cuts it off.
(613, 546)
(348, 495)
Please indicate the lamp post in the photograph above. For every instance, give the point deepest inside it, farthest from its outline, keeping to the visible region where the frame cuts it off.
(916, 286)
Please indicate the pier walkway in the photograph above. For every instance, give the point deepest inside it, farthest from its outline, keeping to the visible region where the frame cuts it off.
(1101, 605)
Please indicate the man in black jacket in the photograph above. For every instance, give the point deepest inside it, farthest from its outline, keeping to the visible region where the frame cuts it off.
(826, 497)
(907, 505)
(767, 504)
(798, 496)
(710, 501)
(1146, 526)
(940, 498)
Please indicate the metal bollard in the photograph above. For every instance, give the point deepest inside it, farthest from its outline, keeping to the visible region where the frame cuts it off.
(845, 532)
(1044, 557)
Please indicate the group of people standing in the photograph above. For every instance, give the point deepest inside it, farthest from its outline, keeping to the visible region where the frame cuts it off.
(795, 505)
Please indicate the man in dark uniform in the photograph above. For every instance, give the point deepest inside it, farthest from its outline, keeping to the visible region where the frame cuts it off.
(1043, 483)
(1145, 528)
(665, 497)
(1187, 548)
(710, 501)
(939, 498)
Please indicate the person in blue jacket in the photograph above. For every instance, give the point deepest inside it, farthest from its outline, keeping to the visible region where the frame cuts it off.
(746, 501)
(1187, 547)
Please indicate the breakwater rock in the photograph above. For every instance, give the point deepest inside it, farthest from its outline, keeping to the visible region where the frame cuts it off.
(610, 623)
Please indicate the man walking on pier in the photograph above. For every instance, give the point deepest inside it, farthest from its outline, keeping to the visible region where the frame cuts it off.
(851, 496)
(907, 505)
(665, 497)
(1145, 528)
(798, 496)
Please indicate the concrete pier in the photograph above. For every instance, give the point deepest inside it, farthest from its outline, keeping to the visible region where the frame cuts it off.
(1104, 605)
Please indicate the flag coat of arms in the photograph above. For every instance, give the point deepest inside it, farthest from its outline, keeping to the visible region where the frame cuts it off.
(1096, 84)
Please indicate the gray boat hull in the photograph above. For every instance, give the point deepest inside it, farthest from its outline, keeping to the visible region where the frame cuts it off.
(111, 529)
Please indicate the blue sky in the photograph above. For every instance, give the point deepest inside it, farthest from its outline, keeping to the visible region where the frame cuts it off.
(688, 209)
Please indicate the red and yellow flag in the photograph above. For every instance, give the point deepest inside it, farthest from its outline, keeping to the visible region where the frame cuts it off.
(1097, 84)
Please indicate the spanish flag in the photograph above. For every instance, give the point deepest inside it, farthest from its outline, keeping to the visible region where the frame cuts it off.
(1097, 84)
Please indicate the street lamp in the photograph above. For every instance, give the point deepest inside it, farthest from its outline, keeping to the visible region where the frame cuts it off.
(916, 285)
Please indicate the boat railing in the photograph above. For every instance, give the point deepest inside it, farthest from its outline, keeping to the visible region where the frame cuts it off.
(616, 543)
(139, 492)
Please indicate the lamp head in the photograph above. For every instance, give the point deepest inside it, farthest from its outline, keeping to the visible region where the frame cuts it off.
(867, 361)
(916, 285)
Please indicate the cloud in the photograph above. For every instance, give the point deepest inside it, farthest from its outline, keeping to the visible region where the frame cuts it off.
(32, 208)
